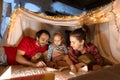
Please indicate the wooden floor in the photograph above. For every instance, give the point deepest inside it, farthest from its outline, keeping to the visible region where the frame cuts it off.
(19, 72)
(109, 73)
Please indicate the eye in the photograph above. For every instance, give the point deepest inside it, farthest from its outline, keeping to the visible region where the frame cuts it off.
(47, 41)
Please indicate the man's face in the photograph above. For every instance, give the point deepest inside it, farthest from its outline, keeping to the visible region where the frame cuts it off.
(43, 40)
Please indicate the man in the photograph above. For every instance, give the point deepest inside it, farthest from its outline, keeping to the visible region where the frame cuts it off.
(26, 49)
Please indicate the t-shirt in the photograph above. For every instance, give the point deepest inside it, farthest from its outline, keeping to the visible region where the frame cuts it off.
(28, 45)
(11, 54)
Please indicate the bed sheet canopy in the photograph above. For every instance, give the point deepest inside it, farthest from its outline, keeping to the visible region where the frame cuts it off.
(104, 23)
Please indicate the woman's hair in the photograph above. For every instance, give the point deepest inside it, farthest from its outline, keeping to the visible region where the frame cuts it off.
(40, 32)
(80, 33)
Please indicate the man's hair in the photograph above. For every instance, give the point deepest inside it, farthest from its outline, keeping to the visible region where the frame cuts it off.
(40, 32)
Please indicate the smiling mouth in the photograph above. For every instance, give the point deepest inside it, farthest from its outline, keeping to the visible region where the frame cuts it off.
(42, 45)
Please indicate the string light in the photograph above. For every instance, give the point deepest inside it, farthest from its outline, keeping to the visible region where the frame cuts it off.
(98, 15)
(115, 18)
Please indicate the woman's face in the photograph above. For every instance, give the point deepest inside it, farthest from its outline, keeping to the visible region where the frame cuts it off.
(75, 43)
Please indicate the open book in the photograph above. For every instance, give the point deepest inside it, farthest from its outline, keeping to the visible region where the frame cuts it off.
(5, 72)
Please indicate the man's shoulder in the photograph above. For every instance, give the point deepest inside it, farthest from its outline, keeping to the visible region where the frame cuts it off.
(28, 38)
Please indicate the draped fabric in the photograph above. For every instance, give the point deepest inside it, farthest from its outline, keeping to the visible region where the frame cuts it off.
(26, 23)
(107, 35)
(1, 1)
(106, 30)
(102, 41)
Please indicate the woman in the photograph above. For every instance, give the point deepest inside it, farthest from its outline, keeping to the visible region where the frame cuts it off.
(81, 53)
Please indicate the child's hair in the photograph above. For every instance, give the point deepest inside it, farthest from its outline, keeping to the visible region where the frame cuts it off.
(59, 34)
(80, 33)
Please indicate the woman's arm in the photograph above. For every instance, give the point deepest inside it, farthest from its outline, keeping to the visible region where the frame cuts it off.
(97, 56)
(70, 63)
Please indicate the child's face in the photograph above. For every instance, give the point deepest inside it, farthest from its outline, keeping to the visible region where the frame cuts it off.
(76, 44)
(57, 40)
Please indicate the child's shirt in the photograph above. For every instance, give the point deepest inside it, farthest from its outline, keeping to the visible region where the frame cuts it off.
(52, 51)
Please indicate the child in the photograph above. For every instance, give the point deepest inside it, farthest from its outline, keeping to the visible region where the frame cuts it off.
(56, 51)
(81, 53)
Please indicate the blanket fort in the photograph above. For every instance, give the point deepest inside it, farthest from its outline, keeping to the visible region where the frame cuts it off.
(104, 23)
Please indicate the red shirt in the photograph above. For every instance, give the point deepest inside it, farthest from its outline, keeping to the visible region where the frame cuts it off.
(28, 45)
(11, 54)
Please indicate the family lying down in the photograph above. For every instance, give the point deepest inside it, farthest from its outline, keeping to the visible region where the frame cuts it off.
(41, 52)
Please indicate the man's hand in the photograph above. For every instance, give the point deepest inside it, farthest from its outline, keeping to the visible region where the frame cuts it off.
(40, 64)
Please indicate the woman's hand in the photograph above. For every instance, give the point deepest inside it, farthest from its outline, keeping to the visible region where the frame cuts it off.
(96, 67)
(81, 64)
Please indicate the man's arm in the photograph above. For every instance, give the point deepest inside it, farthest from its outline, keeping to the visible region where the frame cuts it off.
(22, 60)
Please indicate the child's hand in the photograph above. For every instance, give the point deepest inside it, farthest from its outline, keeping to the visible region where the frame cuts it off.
(52, 64)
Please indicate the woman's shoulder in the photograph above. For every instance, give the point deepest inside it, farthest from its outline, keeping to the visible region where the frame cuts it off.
(70, 48)
(90, 47)
(90, 44)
